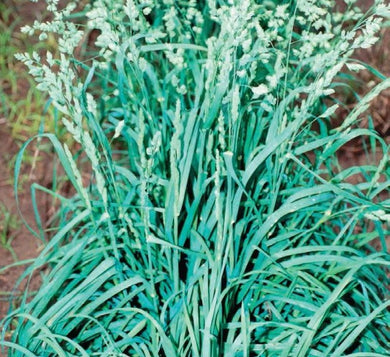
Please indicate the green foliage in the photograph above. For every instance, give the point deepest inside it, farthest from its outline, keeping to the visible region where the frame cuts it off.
(8, 223)
(21, 104)
(217, 220)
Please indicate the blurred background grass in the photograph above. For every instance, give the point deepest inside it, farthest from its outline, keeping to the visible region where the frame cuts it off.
(22, 105)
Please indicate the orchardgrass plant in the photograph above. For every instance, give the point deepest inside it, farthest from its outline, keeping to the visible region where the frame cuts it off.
(217, 220)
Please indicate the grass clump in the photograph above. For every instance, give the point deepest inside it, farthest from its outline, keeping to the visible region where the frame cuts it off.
(217, 219)
(8, 223)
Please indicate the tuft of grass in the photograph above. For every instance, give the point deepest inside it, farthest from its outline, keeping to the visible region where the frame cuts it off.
(217, 219)
(8, 224)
